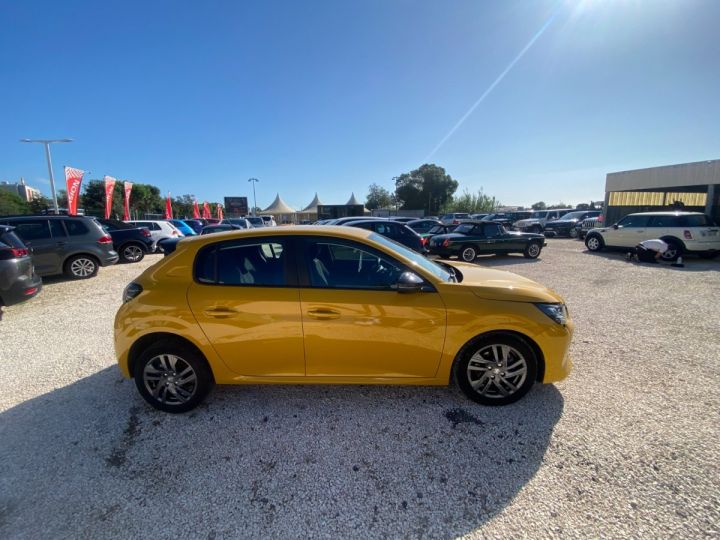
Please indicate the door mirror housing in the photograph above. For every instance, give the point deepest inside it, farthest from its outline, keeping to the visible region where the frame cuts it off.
(409, 282)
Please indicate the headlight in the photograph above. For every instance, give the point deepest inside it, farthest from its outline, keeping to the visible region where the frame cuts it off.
(557, 312)
(131, 291)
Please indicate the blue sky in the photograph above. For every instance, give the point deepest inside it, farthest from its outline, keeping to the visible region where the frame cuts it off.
(330, 96)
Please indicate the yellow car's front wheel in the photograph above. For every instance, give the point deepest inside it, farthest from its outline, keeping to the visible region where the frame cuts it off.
(496, 369)
(172, 377)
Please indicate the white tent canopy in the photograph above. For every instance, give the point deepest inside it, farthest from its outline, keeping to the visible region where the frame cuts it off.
(278, 206)
(353, 200)
(312, 207)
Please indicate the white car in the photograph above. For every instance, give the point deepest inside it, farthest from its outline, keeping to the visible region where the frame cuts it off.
(159, 230)
(269, 221)
(684, 232)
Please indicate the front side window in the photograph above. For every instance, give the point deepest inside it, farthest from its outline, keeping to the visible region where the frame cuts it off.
(35, 229)
(348, 265)
(464, 229)
(246, 263)
(492, 230)
(637, 220)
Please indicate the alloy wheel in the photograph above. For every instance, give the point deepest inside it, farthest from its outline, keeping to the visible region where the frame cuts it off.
(497, 371)
(533, 250)
(132, 254)
(593, 243)
(82, 267)
(169, 379)
(469, 254)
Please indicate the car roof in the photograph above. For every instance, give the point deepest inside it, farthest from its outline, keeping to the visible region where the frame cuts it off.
(46, 216)
(349, 233)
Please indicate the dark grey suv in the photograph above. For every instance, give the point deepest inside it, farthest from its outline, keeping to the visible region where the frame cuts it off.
(18, 280)
(72, 245)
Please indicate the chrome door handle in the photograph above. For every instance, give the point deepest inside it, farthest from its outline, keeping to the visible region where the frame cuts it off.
(220, 312)
(323, 314)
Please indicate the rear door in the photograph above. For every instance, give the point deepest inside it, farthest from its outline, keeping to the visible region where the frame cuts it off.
(245, 298)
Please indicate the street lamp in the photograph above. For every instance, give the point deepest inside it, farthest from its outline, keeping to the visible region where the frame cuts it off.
(254, 181)
(47, 143)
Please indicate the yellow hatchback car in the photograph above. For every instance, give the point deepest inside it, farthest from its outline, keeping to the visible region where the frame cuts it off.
(339, 305)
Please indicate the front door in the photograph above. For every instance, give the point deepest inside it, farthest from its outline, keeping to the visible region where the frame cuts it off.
(246, 300)
(356, 324)
(47, 246)
(631, 230)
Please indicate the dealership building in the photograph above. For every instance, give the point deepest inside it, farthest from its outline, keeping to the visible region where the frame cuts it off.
(693, 187)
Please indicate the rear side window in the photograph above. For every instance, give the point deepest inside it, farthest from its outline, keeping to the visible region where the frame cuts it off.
(75, 227)
(664, 221)
(252, 264)
(36, 229)
(696, 221)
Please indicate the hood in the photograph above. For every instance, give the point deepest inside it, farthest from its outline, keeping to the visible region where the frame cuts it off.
(492, 284)
(562, 222)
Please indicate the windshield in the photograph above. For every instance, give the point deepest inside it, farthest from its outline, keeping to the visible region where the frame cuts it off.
(573, 215)
(437, 229)
(463, 229)
(417, 259)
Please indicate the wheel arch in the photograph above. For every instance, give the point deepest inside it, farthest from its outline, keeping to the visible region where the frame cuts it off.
(674, 239)
(137, 243)
(148, 339)
(512, 333)
(76, 254)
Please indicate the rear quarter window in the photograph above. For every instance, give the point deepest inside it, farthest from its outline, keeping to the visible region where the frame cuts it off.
(696, 221)
(76, 227)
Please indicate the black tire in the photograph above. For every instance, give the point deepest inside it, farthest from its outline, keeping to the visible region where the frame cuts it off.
(81, 267)
(573, 232)
(594, 242)
(132, 253)
(161, 366)
(675, 249)
(468, 253)
(480, 370)
(532, 250)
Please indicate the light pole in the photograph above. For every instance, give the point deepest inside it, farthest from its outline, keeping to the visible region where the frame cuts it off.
(47, 143)
(254, 181)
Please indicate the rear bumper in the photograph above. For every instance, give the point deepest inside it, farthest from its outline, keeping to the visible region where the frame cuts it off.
(110, 258)
(24, 288)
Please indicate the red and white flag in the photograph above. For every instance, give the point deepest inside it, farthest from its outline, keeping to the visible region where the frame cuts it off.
(168, 207)
(196, 210)
(206, 211)
(73, 179)
(219, 209)
(109, 190)
(128, 189)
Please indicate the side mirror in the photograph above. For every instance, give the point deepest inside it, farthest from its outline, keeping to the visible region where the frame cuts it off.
(409, 283)
(615, 226)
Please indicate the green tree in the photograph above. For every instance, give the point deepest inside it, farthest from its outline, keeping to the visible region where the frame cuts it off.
(540, 205)
(558, 205)
(427, 188)
(378, 197)
(37, 206)
(146, 199)
(471, 203)
(12, 203)
(183, 206)
(92, 199)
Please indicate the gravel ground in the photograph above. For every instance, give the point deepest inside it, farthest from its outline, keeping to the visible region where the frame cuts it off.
(628, 446)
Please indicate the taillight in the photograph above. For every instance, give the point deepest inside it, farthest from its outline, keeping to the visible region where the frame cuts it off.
(105, 239)
(600, 219)
(446, 242)
(174, 233)
(423, 241)
(688, 235)
(13, 253)
(455, 222)
(145, 232)
(30, 290)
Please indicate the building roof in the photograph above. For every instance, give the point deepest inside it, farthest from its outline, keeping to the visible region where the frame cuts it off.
(699, 173)
(278, 206)
(312, 207)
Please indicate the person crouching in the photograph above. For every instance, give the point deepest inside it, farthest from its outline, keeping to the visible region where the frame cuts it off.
(649, 251)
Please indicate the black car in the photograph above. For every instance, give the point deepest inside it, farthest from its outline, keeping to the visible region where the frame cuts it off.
(423, 226)
(221, 227)
(394, 230)
(469, 240)
(195, 224)
(131, 243)
(18, 280)
(567, 224)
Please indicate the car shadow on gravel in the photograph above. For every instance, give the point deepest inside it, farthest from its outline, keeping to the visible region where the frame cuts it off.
(275, 461)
